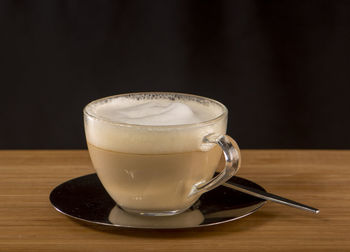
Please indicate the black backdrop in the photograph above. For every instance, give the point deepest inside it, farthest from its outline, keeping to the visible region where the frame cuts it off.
(281, 67)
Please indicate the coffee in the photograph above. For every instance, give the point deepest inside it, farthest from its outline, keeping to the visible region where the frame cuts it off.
(153, 181)
(148, 149)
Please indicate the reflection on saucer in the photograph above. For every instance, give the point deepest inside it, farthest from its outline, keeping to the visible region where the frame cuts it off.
(233, 213)
(190, 218)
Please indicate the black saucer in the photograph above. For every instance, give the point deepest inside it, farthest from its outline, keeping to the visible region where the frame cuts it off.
(84, 198)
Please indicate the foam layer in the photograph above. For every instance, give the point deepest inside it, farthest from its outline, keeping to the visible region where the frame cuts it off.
(126, 123)
(155, 113)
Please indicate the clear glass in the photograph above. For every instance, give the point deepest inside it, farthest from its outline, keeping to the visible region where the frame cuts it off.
(160, 170)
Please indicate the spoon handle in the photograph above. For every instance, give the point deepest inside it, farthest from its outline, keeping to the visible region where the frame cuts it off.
(269, 196)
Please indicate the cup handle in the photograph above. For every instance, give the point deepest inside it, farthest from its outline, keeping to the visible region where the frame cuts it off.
(232, 163)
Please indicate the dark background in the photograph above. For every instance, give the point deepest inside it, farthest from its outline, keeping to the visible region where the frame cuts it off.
(281, 67)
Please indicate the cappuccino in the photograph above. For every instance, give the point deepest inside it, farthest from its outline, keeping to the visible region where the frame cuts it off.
(148, 149)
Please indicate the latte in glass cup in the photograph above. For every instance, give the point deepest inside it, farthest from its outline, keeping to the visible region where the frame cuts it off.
(149, 149)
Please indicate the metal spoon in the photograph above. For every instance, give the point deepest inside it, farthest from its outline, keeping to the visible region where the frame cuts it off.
(269, 196)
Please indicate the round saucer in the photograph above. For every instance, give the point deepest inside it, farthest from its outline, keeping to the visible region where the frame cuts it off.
(84, 198)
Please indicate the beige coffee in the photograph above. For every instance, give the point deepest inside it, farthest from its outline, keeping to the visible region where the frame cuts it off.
(148, 148)
(153, 181)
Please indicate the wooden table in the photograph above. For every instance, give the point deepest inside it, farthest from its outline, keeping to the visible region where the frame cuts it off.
(319, 178)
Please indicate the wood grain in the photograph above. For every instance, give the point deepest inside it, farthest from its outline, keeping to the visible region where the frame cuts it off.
(319, 178)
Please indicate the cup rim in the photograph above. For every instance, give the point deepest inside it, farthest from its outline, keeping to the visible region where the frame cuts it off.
(190, 125)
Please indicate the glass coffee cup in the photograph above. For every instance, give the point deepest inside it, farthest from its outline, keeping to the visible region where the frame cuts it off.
(155, 152)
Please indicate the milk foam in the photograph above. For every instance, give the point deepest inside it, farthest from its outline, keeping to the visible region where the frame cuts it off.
(124, 123)
(156, 113)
